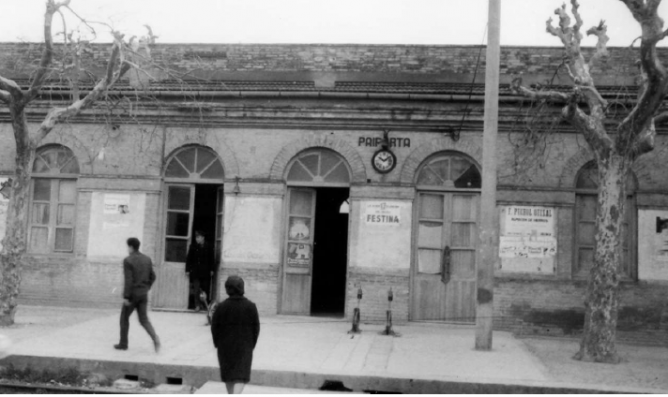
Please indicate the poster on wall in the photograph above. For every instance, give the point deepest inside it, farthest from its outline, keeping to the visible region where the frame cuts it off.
(534, 222)
(116, 204)
(4, 203)
(382, 213)
(113, 218)
(653, 245)
(528, 239)
(299, 255)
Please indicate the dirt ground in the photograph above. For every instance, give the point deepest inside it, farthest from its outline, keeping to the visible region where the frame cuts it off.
(641, 366)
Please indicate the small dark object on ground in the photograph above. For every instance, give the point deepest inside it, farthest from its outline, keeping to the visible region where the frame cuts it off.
(334, 385)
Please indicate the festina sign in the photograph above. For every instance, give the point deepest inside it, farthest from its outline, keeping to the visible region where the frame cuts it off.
(382, 213)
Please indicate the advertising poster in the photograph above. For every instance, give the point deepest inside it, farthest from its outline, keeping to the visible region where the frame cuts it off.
(299, 255)
(528, 239)
(116, 204)
(653, 245)
(382, 213)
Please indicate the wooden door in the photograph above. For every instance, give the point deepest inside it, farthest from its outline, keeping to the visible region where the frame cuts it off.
(220, 209)
(173, 283)
(444, 270)
(298, 259)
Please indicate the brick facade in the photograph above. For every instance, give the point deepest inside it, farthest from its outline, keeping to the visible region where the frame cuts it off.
(257, 134)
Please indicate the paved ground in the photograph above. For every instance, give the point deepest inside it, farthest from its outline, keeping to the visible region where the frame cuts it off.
(322, 346)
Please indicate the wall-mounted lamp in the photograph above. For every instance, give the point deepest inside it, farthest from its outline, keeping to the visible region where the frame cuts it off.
(345, 207)
(236, 189)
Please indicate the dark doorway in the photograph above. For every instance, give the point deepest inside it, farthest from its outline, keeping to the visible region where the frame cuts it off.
(330, 254)
(204, 220)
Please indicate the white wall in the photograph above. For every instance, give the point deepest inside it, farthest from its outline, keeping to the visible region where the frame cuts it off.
(109, 231)
(384, 245)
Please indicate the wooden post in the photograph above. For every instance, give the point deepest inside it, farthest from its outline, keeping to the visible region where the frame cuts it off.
(488, 237)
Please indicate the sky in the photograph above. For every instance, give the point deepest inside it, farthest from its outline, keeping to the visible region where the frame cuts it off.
(453, 22)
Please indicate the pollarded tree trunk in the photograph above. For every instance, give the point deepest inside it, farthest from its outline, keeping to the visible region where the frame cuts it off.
(602, 300)
(14, 242)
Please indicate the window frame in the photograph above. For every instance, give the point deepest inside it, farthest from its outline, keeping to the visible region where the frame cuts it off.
(53, 204)
(55, 179)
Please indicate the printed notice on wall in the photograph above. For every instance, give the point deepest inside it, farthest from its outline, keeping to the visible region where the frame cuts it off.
(382, 213)
(116, 204)
(653, 245)
(113, 218)
(4, 203)
(528, 239)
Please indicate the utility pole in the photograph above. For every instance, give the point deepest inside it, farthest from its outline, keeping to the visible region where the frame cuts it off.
(488, 237)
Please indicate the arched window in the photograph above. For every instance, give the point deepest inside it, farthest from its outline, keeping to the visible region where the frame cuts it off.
(586, 207)
(449, 171)
(320, 167)
(53, 200)
(196, 163)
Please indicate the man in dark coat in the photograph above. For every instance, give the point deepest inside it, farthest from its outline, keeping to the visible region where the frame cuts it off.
(199, 266)
(235, 329)
(139, 277)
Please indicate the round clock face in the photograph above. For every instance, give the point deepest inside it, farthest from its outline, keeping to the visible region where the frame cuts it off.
(384, 161)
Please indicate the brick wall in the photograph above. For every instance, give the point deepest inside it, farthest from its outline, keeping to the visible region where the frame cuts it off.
(552, 307)
(375, 284)
(18, 59)
(261, 284)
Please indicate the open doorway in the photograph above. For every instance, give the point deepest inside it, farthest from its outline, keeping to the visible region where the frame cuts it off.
(205, 222)
(330, 254)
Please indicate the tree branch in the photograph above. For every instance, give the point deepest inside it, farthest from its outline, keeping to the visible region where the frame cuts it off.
(56, 115)
(11, 87)
(601, 32)
(661, 118)
(5, 96)
(655, 77)
(47, 55)
(517, 89)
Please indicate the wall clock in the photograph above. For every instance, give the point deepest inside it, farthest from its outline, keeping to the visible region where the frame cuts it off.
(384, 161)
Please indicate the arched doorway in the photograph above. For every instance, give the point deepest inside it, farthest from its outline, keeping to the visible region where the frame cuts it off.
(446, 230)
(193, 203)
(316, 238)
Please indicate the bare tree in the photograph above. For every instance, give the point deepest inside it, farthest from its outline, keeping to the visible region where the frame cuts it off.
(615, 150)
(17, 100)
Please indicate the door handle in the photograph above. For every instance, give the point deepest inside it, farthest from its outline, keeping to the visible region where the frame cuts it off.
(445, 265)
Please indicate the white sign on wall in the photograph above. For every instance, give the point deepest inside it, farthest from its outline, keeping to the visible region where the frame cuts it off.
(382, 213)
(653, 245)
(114, 218)
(534, 222)
(116, 204)
(528, 239)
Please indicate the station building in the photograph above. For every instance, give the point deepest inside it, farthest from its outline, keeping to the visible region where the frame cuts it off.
(320, 170)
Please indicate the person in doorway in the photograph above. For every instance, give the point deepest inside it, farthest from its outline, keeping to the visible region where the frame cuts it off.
(235, 329)
(139, 277)
(199, 267)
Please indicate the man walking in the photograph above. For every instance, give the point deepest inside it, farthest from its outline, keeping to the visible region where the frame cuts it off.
(139, 277)
(199, 266)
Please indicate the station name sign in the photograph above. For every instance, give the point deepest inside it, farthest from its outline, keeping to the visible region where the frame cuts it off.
(377, 141)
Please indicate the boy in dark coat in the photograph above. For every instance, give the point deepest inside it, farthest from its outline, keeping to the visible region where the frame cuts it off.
(199, 266)
(235, 329)
(139, 277)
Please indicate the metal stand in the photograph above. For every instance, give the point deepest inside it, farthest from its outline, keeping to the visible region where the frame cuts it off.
(356, 315)
(388, 317)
